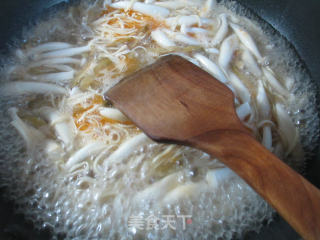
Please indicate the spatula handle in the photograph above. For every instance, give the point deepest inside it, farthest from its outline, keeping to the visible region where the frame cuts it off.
(295, 199)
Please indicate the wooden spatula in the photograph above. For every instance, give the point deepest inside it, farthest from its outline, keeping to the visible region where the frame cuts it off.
(175, 101)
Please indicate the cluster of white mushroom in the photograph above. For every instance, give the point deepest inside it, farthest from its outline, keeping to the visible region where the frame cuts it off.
(96, 147)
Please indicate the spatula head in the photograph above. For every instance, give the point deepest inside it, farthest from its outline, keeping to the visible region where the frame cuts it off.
(174, 100)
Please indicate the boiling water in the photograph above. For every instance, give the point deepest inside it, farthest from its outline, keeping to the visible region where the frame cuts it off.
(109, 191)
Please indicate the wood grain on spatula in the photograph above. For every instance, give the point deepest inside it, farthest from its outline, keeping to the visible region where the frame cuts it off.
(173, 100)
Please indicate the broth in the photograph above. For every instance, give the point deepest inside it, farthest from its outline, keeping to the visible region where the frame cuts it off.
(77, 165)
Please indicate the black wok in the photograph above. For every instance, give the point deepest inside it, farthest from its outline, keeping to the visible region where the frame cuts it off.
(297, 21)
